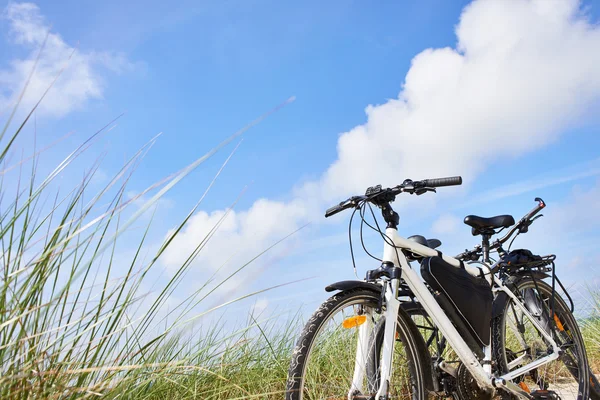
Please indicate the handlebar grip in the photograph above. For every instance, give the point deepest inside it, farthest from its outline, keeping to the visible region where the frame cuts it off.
(537, 209)
(334, 210)
(439, 182)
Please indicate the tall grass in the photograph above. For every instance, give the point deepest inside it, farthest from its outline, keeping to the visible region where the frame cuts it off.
(76, 319)
(590, 328)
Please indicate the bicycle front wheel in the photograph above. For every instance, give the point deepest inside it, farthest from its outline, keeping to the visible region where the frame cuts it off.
(325, 357)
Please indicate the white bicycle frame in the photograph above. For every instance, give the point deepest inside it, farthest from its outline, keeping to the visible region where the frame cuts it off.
(481, 373)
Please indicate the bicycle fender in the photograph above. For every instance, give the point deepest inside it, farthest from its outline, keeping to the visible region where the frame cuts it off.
(499, 304)
(531, 304)
(346, 285)
(501, 298)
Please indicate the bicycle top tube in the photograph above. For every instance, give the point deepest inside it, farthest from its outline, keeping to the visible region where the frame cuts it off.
(390, 254)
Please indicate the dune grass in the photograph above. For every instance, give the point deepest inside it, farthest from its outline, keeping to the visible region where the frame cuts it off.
(77, 319)
(74, 320)
(590, 328)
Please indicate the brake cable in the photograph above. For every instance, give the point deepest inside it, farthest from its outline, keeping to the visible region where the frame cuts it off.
(363, 221)
(384, 236)
(512, 240)
(367, 202)
(350, 240)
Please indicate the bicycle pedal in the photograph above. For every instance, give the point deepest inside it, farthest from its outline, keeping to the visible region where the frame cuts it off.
(544, 394)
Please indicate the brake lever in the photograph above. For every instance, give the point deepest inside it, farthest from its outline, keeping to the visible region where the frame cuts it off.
(524, 228)
(422, 190)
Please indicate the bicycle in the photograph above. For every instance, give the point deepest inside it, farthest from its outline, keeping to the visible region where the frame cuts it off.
(374, 301)
(519, 269)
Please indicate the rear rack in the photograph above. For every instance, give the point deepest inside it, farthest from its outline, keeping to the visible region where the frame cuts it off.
(539, 265)
(543, 264)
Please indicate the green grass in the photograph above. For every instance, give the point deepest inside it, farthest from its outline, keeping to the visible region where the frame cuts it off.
(76, 318)
(590, 328)
(246, 367)
(74, 321)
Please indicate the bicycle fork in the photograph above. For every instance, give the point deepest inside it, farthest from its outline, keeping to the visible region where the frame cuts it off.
(364, 345)
(389, 337)
(362, 354)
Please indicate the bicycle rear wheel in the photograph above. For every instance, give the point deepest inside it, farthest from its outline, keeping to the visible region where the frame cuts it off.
(323, 361)
(517, 342)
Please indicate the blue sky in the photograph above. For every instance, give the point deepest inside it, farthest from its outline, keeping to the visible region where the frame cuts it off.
(501, 104)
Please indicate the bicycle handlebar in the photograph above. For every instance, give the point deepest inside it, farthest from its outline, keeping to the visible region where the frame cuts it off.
(351, 202)
(377, 195)
(535, 210)
(439, 182)
(523, 223)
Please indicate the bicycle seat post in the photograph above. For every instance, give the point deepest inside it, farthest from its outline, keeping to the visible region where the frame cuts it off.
(485, 245)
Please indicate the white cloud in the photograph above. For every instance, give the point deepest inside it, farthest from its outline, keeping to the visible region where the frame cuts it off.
(240, 237)
(553, 177)
(580, 213)
(446, 224)
(80, 82)
(522, 73)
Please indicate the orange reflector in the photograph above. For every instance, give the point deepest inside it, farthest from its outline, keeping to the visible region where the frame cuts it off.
(355, 321)
(559, 324)
(524, 386)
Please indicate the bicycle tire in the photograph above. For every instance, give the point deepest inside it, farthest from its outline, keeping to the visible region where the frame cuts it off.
(417, 354)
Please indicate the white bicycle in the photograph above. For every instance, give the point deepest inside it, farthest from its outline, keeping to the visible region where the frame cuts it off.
(469, 305)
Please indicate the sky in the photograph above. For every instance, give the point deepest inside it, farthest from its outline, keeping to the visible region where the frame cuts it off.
(505, 94)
